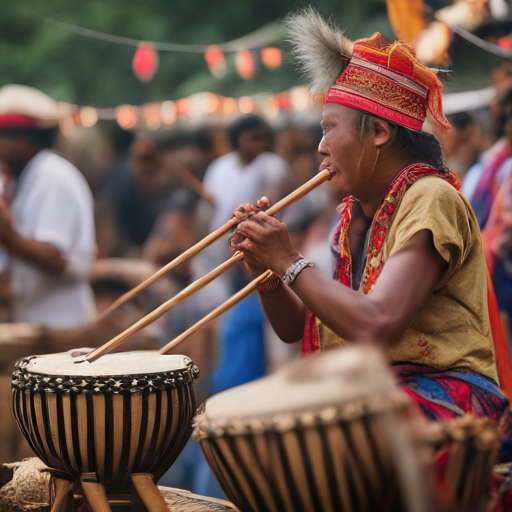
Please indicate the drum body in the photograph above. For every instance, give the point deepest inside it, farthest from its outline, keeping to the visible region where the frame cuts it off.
(316, 449)
(113, 418)
(466, 451)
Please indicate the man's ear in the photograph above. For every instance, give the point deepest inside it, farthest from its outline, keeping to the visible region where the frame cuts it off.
(382, 131)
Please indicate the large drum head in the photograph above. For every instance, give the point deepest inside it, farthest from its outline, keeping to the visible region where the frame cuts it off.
(343, 377)
(118, 372)
(121, 363)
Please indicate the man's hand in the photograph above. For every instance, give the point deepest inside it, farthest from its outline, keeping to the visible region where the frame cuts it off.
(265, 244)
(242, 213)
(245, 209)
(6, 222)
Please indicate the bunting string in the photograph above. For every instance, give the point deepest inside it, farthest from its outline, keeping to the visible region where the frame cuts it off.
(271, 33)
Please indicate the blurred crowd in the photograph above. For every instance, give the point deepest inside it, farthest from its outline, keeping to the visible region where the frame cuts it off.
(87, 216)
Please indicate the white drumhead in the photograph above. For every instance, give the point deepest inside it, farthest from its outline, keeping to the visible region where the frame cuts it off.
(333, 378)
(117, 364)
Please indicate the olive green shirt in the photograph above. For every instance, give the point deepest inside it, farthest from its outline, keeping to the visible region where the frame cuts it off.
(453, 328)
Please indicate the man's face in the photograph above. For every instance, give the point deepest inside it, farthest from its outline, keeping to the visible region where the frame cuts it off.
(252, 143)
(145, 161)
(343, 151)
(14, 151)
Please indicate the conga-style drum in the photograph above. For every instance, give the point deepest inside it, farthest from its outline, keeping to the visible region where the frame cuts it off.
(466, 450)
(326, 434)
(125, 413)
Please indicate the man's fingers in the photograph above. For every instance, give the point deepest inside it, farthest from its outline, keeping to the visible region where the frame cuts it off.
(245, 209)
(261, 218)
(263, 203)
(252, 229)
(242, 244)
(235, 238)
(239, 214)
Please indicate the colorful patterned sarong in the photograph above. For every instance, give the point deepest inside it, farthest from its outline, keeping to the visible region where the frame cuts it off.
(449, 394)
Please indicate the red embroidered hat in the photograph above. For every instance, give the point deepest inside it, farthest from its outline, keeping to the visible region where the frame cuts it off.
(384, 80)
(389, 82)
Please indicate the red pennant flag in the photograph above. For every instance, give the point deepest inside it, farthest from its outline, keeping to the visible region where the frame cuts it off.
(245, 64)
(214, 57)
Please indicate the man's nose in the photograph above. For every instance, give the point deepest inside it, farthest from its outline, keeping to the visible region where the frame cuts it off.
(322, 148)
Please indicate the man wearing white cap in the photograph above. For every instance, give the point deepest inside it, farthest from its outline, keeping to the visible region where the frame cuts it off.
(48, 229)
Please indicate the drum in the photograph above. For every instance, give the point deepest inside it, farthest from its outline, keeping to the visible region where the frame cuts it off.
(323, 435)
(466, 450)
(125, 413)
(501, 489)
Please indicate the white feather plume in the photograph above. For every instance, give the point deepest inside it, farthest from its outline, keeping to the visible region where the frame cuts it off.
(320, 48)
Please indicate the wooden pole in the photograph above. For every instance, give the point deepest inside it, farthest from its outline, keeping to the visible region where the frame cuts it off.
(197, 285)
(205, 242)
(313, 183)
(235, 299)
(302, 191)
(188, 178)
(166, 306)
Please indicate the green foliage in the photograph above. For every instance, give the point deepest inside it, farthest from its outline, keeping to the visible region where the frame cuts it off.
(85, 71)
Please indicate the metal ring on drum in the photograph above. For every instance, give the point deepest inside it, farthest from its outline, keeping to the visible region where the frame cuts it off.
(127, 413)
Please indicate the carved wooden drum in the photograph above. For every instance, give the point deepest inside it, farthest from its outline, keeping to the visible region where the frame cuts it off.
(125, 413)
(318, 436)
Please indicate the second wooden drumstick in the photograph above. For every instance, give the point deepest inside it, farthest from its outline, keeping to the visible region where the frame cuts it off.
(235, 299)
(166, 306)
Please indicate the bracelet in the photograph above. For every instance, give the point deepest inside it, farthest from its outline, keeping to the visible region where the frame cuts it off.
(269, 284)
(295, 269)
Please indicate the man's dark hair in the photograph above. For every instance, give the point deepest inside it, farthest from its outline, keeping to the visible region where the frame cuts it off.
(420, 147)
(38, 137)
(246, 123)
(461, 120)
(504, 114)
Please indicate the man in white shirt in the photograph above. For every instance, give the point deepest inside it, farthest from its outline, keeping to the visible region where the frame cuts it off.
(248, 172)
(48, 228)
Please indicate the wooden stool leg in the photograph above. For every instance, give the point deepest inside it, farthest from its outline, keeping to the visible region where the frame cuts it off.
(63, 496)
(94, 493)
(148, 492)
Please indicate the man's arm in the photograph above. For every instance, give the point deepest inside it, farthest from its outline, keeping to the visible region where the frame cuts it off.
(404, 286)
(285, 312)
(40, 253)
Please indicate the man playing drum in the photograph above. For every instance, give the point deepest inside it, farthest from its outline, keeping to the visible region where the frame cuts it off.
(419, 287)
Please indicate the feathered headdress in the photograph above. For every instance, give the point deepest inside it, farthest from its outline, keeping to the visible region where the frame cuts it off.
(385, 80)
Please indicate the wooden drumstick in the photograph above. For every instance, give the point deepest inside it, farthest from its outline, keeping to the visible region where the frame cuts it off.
(235, 299)
(188, 178)
(310, 185)
(166, 306)
(203, 244)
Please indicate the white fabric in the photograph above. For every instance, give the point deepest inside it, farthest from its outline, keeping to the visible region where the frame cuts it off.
(53, 204)
(475, 173)
(232, 183)
(471, 180)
